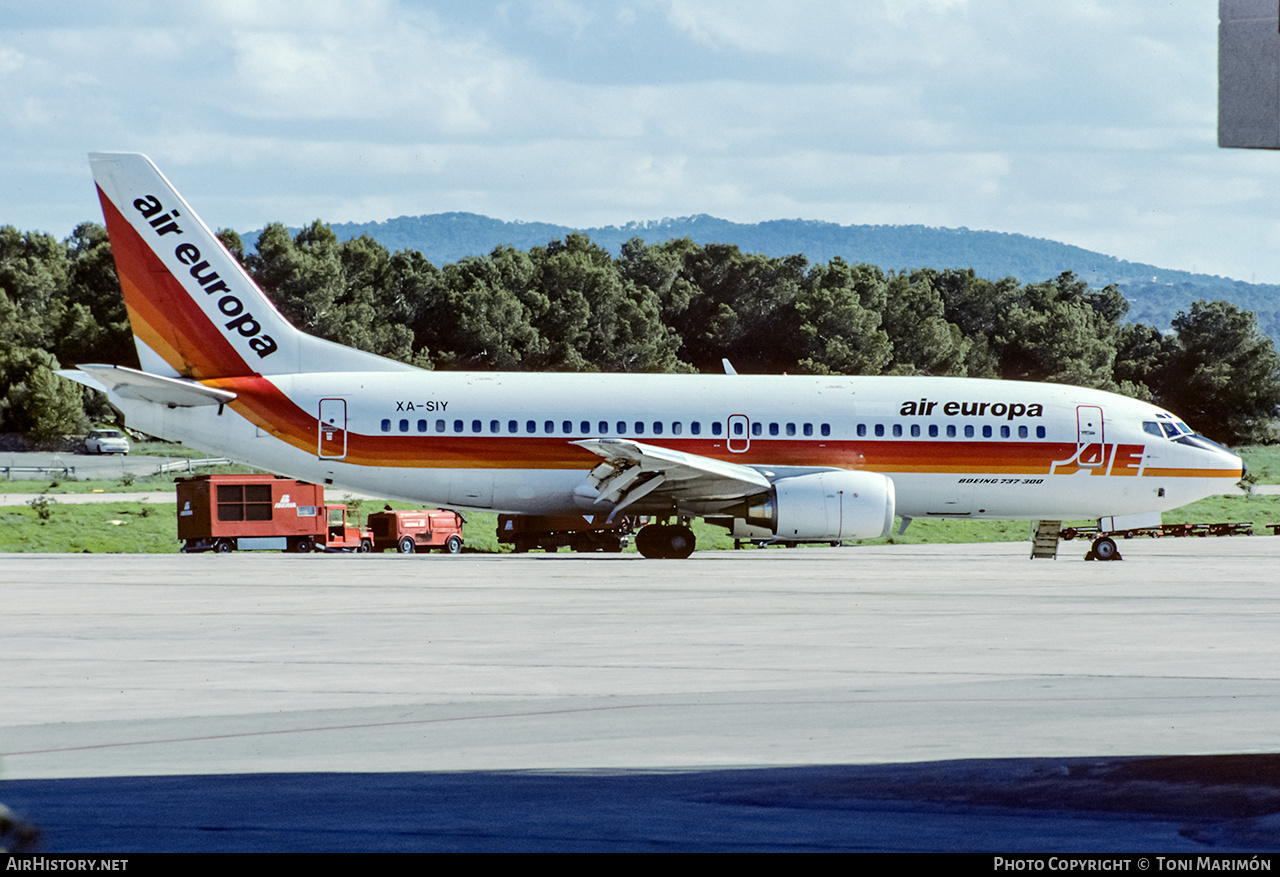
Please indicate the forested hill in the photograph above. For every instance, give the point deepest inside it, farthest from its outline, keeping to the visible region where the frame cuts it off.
(1155, 294)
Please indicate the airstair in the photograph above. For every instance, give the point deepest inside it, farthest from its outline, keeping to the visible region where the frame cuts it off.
(1044, 541)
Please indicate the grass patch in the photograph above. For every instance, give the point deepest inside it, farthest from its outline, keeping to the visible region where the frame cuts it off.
(98, 528)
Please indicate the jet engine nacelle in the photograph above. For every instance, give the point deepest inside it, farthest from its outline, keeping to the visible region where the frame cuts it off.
(821, 507)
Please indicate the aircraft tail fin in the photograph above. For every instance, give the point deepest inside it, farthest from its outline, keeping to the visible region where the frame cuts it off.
(194, 311)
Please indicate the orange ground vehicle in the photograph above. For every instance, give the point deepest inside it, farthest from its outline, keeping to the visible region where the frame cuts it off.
(418, 530)
(224, 513)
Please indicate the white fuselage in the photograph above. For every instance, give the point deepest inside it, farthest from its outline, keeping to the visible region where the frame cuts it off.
(503, 441)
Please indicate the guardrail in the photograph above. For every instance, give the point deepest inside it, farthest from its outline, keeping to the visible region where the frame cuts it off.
(189, 465)
(65, 471)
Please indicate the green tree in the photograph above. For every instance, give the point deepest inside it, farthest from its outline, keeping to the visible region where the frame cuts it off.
(838, 314)
(1224, 377)
(35, 401)
(914, 318)
(487, 322)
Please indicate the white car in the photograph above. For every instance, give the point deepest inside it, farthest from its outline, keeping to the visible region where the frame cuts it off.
(106, 441)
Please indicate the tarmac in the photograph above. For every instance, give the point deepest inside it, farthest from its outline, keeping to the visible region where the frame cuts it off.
(951, 697)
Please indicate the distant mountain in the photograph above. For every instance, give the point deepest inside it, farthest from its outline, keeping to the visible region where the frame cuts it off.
(1155, 294)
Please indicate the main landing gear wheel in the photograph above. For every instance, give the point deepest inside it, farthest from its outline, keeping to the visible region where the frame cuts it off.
(1104, 549)
(666, 541)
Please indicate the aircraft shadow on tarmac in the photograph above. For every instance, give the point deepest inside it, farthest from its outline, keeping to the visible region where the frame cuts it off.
(1226, 803)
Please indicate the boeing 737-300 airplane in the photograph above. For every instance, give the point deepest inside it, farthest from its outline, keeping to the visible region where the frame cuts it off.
(790, 458)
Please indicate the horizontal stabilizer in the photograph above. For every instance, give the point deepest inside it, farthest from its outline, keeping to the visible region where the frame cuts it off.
(129, 383)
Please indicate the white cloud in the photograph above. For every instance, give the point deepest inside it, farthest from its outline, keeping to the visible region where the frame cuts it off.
(1092, 123)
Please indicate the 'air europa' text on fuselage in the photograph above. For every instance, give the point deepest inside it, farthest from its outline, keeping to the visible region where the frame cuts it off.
(1009, 410)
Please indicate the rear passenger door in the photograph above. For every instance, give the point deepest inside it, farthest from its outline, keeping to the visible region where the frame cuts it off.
(332, 442)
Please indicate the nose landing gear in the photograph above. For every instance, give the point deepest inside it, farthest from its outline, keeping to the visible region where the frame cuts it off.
(1104, 548)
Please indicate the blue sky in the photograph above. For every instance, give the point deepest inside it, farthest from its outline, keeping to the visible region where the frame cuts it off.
(1090, 123)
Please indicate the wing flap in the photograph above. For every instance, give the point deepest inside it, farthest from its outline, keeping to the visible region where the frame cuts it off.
(635, 470)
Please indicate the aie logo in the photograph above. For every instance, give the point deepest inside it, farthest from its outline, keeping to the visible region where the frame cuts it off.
(188, 254)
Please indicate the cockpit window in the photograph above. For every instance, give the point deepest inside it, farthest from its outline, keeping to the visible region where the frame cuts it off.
(1199, 441)
(1168, 426)
(1172, 426)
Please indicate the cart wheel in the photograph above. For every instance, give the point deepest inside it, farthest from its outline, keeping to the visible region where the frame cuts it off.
(407, 545)
(223, 546)
(302, 546)
(453, 545)
(365, 546)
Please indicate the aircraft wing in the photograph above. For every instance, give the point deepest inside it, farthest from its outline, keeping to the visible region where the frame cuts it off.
(634, 470)
(129, 383)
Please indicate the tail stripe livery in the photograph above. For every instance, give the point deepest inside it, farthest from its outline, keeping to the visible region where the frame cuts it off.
(195, 312)
(166, 322)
